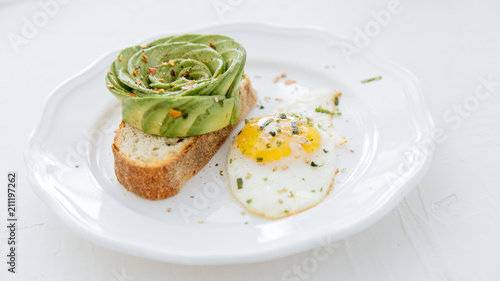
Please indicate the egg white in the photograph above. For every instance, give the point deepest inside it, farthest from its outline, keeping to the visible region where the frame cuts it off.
(296, 182)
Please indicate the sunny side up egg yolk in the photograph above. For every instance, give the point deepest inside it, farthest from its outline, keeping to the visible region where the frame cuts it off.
(268, 138)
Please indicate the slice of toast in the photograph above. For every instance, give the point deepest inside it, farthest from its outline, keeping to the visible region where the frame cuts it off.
(156, 167)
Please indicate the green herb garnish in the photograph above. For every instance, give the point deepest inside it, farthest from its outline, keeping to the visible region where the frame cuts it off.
(239, 183)
(282, 116)
(268, 145)
(309, 122)
(285, 211)
(371, 79)
(260, 159)
(265, 179)
(261, 127)
(216, 164)
(295, 128)
(325, 151)
(322, 110)
(278, 144)
(272, 133)
(249, 201)
(336, 100)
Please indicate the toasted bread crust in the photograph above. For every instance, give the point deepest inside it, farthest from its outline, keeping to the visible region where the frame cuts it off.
(164, 179)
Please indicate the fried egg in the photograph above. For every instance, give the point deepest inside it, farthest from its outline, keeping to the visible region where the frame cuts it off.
(284, 163)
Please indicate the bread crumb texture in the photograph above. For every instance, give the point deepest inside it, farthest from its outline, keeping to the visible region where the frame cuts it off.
(146, 148)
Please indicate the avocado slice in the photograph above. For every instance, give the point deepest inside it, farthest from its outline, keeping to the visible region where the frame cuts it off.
(198, 115)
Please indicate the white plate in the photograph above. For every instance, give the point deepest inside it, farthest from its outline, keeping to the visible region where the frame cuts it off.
(385, 121)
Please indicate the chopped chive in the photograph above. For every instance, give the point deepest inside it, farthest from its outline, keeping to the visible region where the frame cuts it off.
(261, 107)
(336, 100)
(247, 121)
(295, 128)
(272, 133)
(314, 164)
(239, 183)
(285, 211)
(309, 122)
(325, 151)
(321, 190)
(322, 110)
(260, 159)
(216, 164)
(337, 113)
(265, 179)
(230, 161)
(291, 194)
(312, 190)
(239, 132)
(371, 79)
(268, 145)
(282, 116)
(278, 143)
(303, 179)
(249, 201)
(261, 127)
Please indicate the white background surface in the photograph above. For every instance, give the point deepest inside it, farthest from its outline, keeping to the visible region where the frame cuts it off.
(448, 228)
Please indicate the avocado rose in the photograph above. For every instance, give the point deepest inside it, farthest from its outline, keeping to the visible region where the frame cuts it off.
(179, 86)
